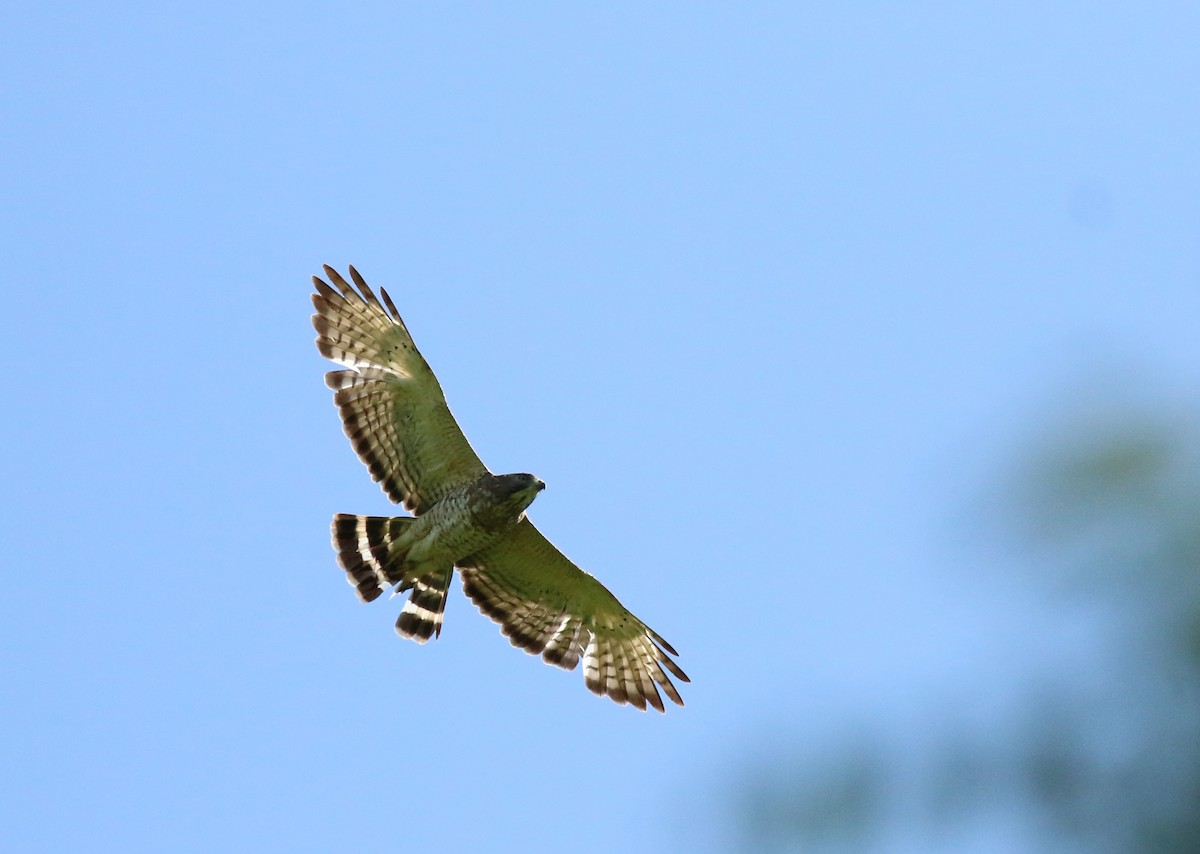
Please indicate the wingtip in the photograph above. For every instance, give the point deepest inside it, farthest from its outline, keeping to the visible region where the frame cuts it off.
(661, 641)
(391, 306)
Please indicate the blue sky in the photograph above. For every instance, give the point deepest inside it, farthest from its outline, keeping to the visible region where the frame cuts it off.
(764, 292)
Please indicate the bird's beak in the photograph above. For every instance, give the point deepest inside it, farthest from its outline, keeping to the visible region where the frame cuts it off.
(541, 485)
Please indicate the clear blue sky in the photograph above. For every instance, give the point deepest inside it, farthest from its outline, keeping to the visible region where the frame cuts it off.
(762, 291)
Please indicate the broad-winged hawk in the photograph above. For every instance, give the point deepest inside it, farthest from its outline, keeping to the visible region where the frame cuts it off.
(396, 417)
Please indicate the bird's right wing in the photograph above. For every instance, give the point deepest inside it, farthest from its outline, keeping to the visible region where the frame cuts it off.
(546, 604)
(393, 409)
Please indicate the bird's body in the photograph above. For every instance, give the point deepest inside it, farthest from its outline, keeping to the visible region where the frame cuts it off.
(399, 550)
(462, 523)
(464, 517)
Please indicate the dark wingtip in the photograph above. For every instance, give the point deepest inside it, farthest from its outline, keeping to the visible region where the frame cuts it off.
(391, 306)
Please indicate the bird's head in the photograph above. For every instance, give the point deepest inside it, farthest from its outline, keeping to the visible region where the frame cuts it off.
(521, 489)
(521, 485)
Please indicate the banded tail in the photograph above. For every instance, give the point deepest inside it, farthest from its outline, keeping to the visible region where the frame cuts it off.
(365, 549)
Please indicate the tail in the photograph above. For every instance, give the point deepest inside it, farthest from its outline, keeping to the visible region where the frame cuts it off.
(365, 547)
(421, 618)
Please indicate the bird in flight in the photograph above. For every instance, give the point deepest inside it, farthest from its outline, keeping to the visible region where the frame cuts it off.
(395, 415)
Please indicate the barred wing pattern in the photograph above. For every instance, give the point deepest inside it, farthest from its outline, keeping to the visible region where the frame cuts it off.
(545, 604)
(393, 409)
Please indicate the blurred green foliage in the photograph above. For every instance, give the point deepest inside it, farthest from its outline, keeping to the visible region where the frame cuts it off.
(1105, 515)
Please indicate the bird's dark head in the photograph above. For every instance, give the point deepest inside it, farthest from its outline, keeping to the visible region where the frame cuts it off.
(520, 488)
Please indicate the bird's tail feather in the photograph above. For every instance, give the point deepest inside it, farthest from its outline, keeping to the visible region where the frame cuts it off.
(421, 618)
(367, 549)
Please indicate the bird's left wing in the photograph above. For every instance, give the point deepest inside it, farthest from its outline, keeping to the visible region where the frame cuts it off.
(392, 406)
(546, 604)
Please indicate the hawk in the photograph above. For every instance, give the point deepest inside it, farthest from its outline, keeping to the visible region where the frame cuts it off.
(463, 516)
